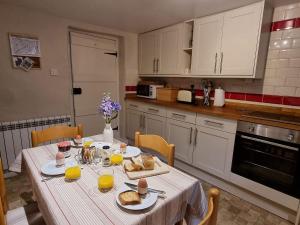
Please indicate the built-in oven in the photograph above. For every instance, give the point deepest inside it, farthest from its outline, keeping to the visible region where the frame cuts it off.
(268, 155)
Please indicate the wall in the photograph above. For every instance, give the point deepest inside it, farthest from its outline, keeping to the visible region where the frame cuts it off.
(281, 83)
(25, 95)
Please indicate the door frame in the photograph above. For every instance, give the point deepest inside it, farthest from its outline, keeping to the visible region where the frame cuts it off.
(119, 81)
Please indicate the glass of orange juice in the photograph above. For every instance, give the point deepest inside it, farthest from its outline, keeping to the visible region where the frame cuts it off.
(116, 158)
(72, 172)
(106, 180)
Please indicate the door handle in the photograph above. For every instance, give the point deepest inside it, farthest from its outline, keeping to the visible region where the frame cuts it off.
(221, 63)
(216, 57)
(77, 91)
(157, 63)
(213, 124)
(191, 133)
(196, 134)
(153, 110)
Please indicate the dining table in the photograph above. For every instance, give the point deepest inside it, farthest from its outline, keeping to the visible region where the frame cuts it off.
(80, 201)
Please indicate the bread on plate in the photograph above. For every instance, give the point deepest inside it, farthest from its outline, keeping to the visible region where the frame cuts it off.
(129, 198)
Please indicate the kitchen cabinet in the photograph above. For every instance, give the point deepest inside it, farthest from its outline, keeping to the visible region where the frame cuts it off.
(155, 124)
(134, 122)
(160, 51)
(232, 44)
(180, 134)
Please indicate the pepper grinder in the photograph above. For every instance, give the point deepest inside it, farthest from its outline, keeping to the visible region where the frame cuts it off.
(207, 86)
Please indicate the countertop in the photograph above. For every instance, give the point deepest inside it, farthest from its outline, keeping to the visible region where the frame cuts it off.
(231, 110)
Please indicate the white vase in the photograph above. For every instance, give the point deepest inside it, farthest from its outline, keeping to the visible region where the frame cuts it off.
(108, 133)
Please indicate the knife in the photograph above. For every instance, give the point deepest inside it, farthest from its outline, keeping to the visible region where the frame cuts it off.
(134, 186)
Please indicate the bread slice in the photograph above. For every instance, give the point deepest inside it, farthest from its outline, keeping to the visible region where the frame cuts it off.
(129, 198)
(128, 166)
(148, 162)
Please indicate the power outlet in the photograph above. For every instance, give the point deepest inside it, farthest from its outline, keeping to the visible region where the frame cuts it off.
(53, 72)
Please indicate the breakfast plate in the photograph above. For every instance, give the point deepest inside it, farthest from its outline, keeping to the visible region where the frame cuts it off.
(100, 144)
(51, 169)
(131, 151)
(146, 202)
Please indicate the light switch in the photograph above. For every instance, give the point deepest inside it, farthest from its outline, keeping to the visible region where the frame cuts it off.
(53, 72)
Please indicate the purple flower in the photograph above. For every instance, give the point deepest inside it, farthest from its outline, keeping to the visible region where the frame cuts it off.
(109, 108)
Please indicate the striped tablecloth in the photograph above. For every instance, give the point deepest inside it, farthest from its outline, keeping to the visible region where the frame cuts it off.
(80, 202)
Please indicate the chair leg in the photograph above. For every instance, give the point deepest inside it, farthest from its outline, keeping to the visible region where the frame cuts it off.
(179, 222)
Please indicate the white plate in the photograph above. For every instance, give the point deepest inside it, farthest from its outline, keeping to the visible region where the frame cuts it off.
(146, 202)
(131, 151)
(51, 169)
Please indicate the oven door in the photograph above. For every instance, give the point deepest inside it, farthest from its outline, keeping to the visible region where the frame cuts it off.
(267, 161)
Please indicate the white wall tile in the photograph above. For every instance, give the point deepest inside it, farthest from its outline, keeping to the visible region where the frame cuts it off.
(297, 92)
(281, 44)
(292, 13)
(276, 35)
(268, 90)
(285, 91)
(294, 62)
(270, 72)
(289, 53)
(273, 54)
(277, 63)
(288, 72)
(296, 43)
(291, 33)
(293, 81)
(278, 14)
(275, 81)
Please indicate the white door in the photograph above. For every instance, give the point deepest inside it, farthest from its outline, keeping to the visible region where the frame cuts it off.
(95, 71)
(170, 47)
(155, 125)
(240, 40)
(207, 43)
(147, 53)
(212, 151)
(181, 135)
(134, 123)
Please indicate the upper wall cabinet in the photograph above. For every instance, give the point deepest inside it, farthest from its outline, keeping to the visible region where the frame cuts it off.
(232, 44)
(160, 51)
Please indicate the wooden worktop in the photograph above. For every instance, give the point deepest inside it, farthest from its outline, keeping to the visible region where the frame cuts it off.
(235, 111)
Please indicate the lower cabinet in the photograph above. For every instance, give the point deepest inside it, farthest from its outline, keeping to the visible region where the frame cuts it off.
(181, 135)
(134, 122)
(213, 151)
(154, 124)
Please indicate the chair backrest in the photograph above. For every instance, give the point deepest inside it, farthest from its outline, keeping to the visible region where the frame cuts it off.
(55, 132)
(3, 190)
(213, 204)
(156, 143)
(2, 215)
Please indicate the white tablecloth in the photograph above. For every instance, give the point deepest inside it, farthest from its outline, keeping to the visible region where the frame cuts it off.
(80, 202)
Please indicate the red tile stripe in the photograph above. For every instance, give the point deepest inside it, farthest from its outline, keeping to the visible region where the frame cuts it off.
(252, 97)
(285, 24)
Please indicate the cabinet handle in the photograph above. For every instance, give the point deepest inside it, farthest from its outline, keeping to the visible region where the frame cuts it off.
(221, 63)
(216, 57)
(196, 134)
(157, 63)
(213, 124)
(153, 110)
(154, 60)
(179, 116)
(144, 121)
(191, 133)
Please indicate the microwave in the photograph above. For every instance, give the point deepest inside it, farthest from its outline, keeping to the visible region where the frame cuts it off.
(147, 90)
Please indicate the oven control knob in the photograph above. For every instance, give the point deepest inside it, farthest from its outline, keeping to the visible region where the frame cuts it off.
(290, 137)
(251, 129)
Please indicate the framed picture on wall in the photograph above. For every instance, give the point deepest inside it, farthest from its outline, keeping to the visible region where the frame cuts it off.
(25, 51)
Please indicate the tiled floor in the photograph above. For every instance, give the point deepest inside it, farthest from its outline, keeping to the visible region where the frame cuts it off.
(232, 210)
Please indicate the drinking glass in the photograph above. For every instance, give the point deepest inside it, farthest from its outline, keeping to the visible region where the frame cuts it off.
(106, 179)
(72, 172)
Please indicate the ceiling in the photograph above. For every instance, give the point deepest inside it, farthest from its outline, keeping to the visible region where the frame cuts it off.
(135, 15)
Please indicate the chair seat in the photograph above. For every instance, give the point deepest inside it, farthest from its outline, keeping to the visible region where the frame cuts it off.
(16, 217)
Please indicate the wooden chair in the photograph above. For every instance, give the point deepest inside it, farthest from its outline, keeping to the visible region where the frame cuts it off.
(53, 133)
(213, 203)
(157, 144)
(3, 196)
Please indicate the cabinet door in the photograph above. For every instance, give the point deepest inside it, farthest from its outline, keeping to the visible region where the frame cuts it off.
(134, 122)
(240, 39)
(147, 53)
(170, 47)
(213, 151)
(180, 134)
(155, 125)
(207, 43)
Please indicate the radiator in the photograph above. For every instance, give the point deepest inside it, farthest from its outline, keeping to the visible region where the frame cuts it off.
(16, 135)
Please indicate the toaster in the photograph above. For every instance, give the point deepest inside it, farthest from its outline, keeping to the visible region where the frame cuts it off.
(187, 96)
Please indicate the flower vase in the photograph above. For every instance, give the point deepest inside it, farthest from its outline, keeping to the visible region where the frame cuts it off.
(108, 133)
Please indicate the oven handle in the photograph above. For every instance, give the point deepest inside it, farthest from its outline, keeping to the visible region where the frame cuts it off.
(270, 142)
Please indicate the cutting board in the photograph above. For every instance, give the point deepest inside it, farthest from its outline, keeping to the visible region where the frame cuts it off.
(159, 168)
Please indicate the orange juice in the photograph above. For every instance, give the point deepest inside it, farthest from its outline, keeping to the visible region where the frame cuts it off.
(105, 182)
(73, 172)
(116, 159)
(87, 144)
